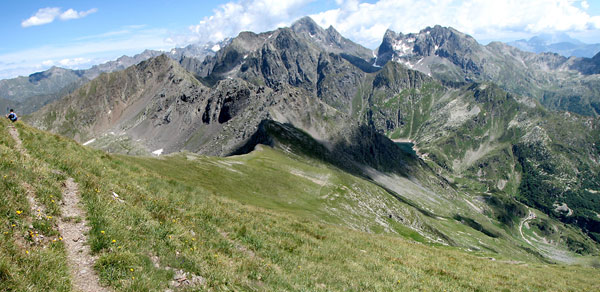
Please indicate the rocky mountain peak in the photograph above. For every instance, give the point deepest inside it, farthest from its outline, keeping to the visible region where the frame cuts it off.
(54, 73)
(308, 25)
(329, 39)
(431, 41)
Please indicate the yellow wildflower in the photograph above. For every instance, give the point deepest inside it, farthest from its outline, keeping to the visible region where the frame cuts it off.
(113, 241)
(19, 212)
(102, 231)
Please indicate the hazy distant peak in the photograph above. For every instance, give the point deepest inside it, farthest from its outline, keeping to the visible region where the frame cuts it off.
(560, 43)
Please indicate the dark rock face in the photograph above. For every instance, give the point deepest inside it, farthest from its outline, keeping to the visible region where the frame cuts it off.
(588, 66)
(437, 41)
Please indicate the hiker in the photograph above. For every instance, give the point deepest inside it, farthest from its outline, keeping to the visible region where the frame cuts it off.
(12, 116)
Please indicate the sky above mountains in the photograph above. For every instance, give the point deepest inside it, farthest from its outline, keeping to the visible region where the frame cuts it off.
(35, 35)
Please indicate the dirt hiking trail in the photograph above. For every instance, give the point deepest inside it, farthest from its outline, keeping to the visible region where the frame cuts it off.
(72, 227)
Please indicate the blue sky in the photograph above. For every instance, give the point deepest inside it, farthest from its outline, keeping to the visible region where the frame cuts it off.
(35, 35)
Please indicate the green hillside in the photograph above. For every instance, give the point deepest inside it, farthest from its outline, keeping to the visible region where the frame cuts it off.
(265, 221)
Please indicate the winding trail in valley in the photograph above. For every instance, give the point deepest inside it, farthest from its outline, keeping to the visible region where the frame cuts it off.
(530, 216)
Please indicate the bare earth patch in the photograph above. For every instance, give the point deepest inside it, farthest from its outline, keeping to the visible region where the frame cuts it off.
(18, 143)
(73, 233)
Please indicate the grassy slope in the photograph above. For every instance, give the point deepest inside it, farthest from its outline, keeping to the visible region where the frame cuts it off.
(25, 265)
(233, 241)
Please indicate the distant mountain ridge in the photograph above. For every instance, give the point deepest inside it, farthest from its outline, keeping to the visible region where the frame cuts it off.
(449, 55)
(561, 44)
(28, 94)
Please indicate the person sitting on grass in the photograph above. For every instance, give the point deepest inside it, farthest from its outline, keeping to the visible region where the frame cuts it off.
(12, 116)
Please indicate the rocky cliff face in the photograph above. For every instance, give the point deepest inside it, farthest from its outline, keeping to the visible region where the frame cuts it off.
(151, 106)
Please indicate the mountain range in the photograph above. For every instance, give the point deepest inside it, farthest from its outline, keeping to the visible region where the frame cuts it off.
(557, 82)
(561, 44)
(28, 94)
(453, 130)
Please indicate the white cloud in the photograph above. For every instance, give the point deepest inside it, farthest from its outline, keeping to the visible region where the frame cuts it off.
(48, 63)
(42, 16)
(585, 4)
(73, 63)
(366, 22)
(72, 14)
(245, 15)
(49, 14)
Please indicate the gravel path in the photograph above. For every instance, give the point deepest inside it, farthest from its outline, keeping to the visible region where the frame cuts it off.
(73, 228)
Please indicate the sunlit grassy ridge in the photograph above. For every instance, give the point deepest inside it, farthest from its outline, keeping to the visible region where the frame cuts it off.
(234, 242)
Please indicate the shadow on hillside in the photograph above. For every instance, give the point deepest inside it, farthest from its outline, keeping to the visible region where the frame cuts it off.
(363, 146)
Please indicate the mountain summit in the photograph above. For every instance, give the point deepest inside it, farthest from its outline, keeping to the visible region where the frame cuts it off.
(329, 39)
